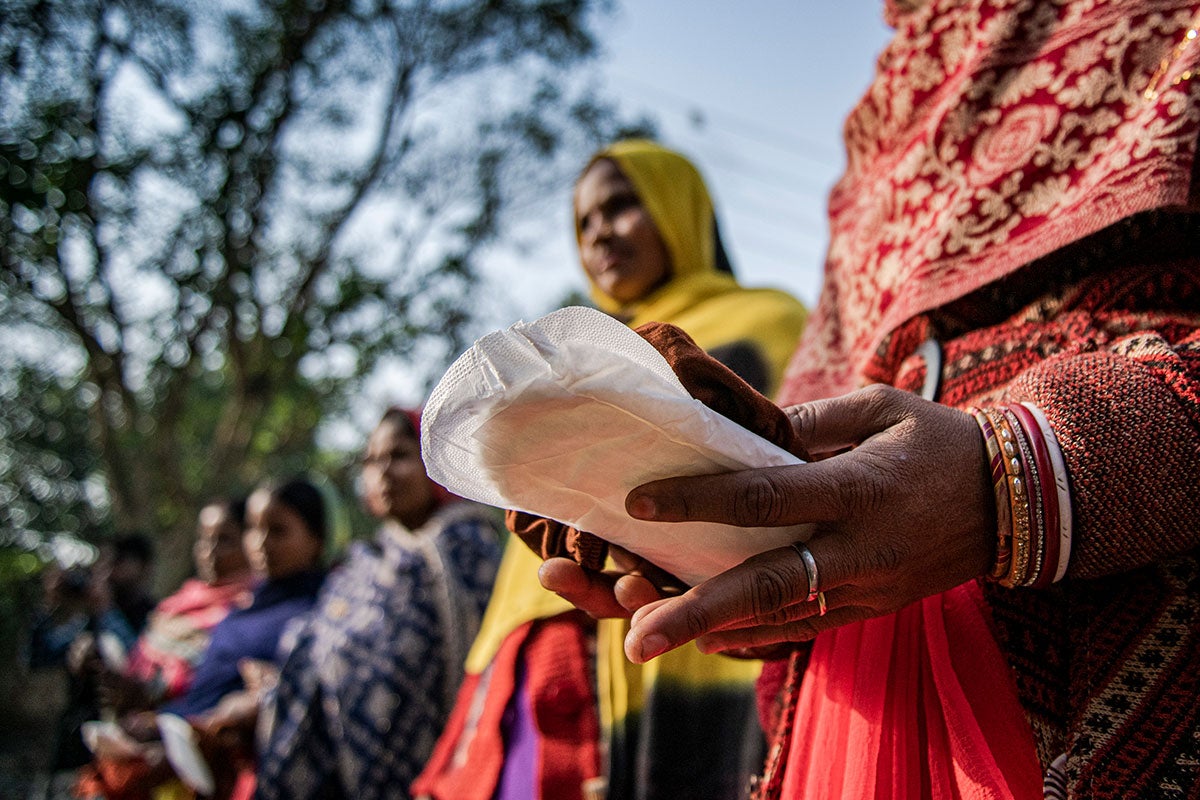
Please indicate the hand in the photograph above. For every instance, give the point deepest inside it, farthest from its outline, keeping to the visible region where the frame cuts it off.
(908, 512)
(611, 593)
(82, 656)
(235, 715)
(141, 725)
(231, 721)
(258, 676)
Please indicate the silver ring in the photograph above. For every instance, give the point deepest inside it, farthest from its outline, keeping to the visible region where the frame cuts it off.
(810, 569)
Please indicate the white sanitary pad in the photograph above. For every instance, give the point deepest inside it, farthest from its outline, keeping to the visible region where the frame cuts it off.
(563, 416)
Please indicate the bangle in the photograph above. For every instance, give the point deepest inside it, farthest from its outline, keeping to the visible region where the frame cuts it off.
(1047, 497)
(1018, 499)
(1003, 557)
(1033, 495)
(1062, 491)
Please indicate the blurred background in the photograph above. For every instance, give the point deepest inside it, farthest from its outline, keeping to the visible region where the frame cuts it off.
(233, 231)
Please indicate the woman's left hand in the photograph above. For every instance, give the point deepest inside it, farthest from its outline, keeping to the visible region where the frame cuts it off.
(632, 583)
(908, 512)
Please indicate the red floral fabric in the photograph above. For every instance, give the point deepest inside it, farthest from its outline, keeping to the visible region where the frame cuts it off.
(996, 132)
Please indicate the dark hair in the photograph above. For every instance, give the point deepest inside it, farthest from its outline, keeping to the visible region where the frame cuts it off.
(75, 581)
(402, 417)
(721, 255)
(235, 507)
(305, 499)
(135, 545)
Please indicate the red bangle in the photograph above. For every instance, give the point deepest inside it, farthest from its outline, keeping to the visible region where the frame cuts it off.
(1049, 495)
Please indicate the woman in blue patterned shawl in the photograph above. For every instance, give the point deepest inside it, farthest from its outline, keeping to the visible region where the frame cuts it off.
(367, 688)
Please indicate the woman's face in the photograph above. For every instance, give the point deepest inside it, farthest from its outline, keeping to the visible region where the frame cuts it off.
(218, 551)
(395, 485)
(619, 243)
(278, 542)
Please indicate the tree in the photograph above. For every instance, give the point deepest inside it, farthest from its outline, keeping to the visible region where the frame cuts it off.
(216, 217)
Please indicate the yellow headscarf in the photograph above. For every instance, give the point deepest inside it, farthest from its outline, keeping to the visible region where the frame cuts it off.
(699, 297)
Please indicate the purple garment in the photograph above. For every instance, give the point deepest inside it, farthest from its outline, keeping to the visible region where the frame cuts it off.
(251, 632)
(518, 778)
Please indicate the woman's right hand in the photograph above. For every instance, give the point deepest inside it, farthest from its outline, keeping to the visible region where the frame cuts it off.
(902, 511)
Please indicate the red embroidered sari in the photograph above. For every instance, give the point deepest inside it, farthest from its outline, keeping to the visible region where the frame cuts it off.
(997, 137)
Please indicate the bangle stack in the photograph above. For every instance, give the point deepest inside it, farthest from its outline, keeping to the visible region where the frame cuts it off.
(1029, 481)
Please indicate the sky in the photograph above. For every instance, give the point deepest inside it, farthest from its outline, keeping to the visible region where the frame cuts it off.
(755, 92)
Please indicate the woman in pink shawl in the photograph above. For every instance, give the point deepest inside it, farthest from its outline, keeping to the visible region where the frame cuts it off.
(164, 659)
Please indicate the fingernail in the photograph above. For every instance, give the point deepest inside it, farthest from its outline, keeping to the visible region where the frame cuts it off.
(652, 645)
(642, 507)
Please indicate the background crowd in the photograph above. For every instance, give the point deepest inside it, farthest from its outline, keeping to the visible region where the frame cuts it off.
(316, 674)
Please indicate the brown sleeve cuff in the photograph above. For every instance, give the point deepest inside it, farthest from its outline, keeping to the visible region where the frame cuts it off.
(551, 539)
(1129, 428)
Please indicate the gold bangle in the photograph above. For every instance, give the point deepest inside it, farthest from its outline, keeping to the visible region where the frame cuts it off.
(1018, 496)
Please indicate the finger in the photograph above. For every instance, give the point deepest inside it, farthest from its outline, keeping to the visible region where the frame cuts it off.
(635, 591)
(771, 652)
(836, 423)
(591, 592)
(821, 491)
(754, 498)
(801, 630)
(646, 609)
(755, 589)
(781, 616)
(788, 612)
(732, 638)
(633, 564)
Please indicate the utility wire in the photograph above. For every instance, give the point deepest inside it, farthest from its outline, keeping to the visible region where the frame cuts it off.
(820, 152)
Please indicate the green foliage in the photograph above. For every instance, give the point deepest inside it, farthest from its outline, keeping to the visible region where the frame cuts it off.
(45, 457)
(19, 570)
(217, 218)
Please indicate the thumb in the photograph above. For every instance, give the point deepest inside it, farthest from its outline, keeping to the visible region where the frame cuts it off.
(836, 423)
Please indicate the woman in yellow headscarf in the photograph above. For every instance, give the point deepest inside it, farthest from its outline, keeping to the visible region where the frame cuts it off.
(530, 720)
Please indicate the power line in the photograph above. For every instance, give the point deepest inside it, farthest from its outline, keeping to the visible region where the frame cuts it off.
(738, 126)
(774, 218)
(717, 155)
(804, 186)
(786, 243)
